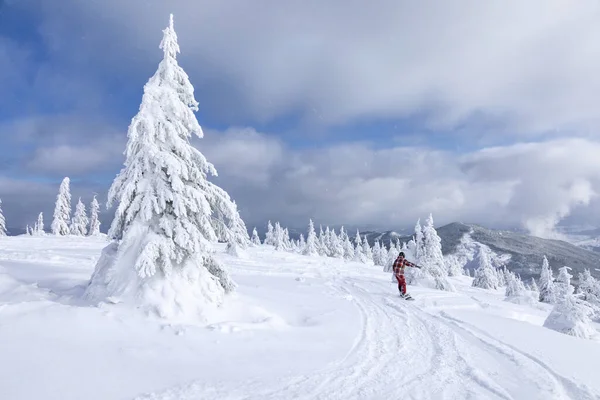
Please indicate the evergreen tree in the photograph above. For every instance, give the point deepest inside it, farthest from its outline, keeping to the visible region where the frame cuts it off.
(419, 242)
(28, 230)
(366, 249)
(589, 287)
(359, 255)
(62, 210)
(327, 243)
(301, 243)
(432, 258)
(161, 258)
(337, 248)
(570, 315)
(79, 224)
(312, 246)
(485, 277)
(270, 235)
(348, 249)
(516, 290)
(255, 238)
(2, 221)
(322, 242)
(39, 226)
(377, 254)
(534, 287)
(94, 218)
(278, 239)
(547, 287)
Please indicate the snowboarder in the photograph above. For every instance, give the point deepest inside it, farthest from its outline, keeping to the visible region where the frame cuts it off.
(399, 265)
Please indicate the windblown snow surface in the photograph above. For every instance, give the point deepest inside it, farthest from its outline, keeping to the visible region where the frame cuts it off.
(298, 327)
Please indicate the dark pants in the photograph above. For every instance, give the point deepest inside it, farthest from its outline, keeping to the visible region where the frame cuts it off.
(401, 283)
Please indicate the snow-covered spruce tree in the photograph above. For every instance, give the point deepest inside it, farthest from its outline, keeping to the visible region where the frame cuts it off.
(589, 291)
(312, 246)
(2, 221)
(301, 243)
(255, 239)
(327, 244)
(547, 287)
(337, 248)
(485, 276)
(28, 230)
(161, 258)
(570, 315)
(432, 259)
(534, 288)
(278, 240)
(516, 291)
(39, 226)
(366, 248)
(287, 243)
(377, 254)
(62, 210)
(94, 229)
(359, 255)
(322, 242)
(79, 224)
(348, 248)
(269, 236)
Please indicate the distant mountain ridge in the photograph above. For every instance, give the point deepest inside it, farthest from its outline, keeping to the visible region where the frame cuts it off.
(526, 252)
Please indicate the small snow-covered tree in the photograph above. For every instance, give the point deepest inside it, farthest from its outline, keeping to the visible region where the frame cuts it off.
(322, 242)
(287, 243)
(312, 246)
(39, 226)
(432, 259)
(419, 242)
(161, 258)
(547, 287)
(79, 224)
(62, 210)
(534, 288)
(2, 221)
(94, 229)
(255, 238)
(337, 248)
(28, 230)
(570, 315)
(301, 243)
(485, 277)
(270, 235)
(516, 291)
(278, 239)
(377, 254)
(359, 255)
(366, 248)
(589, 287)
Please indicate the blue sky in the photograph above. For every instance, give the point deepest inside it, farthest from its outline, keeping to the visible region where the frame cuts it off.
(370, 115)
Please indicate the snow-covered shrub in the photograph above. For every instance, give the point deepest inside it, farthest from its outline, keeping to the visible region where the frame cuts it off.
(255, 239)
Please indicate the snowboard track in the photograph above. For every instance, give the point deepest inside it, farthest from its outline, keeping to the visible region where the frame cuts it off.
(402, 351)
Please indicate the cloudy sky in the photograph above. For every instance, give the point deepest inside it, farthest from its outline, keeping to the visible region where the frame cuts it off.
(370, 114)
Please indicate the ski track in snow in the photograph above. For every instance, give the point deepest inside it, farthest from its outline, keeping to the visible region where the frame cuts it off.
(403, 351)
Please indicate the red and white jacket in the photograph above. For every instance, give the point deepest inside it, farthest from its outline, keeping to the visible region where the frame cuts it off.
(400, 266)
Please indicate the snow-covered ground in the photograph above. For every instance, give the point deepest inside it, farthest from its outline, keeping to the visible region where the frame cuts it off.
(297, 328)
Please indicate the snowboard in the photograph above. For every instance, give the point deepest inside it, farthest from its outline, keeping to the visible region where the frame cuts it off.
(407, 297)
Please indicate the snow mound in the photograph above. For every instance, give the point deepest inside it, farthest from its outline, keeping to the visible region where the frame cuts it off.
(185, 295)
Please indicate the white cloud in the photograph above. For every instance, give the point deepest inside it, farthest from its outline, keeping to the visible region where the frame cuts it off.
(531, 65)
(532, 185)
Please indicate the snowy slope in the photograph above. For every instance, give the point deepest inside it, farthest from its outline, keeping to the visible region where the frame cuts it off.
(299, 327)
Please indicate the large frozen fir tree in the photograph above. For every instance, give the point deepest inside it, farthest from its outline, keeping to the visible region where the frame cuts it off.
(2, 221)
(485, 277)
(62, 209)
(94, 229)
(79, 224)
(547, 286)
(161, 258)
(570, 315)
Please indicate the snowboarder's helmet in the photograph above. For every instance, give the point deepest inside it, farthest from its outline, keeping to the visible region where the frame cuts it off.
(401, 254)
